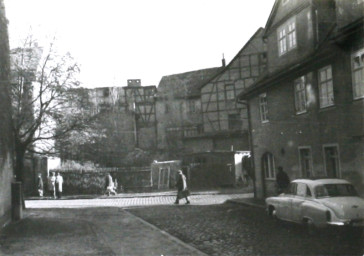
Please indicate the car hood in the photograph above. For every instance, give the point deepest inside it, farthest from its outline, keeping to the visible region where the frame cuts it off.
(348, 207)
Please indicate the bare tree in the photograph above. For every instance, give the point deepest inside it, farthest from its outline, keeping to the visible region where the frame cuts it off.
(43, 84)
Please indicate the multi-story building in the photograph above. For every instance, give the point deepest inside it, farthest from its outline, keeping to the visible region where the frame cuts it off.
(179, 109)
(306, 112)
(6, 139)
(225, 125)
(137, 103)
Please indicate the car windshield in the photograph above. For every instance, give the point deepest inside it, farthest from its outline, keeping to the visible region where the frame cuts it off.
(335, 190)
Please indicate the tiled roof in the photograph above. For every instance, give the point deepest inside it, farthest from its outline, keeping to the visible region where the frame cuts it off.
(185, 84)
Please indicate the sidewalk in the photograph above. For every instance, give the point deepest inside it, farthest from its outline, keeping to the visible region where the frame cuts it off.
(91, 231)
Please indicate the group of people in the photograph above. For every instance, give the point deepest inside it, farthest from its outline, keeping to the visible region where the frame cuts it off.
(55, 185)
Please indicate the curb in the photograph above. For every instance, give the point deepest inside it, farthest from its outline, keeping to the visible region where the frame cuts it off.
(233, 201)
(169, 236)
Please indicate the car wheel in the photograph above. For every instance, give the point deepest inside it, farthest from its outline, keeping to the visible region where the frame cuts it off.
(310, 227)
(272, 212)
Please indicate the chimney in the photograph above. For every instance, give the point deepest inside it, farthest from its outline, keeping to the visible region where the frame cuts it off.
(223, 61)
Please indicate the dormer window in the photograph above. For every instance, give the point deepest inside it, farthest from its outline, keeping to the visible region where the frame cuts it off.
(287, 36)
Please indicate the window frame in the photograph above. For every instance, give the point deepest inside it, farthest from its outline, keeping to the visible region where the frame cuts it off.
(287, 36)
(229, 88)
(326, 81)
(357, 53)
(263, 108)
(333, 145)
(271, 166)
(191, 106)
(310, 160)
(297, 94)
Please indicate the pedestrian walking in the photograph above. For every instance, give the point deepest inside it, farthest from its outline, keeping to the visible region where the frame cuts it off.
(59, 185)
(109, 185)
(40, 185)
(52, 184)
(282, 181)
(182, 190)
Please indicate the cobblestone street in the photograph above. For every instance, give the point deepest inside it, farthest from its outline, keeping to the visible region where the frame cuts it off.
(229, 229)
(200, 199)
(218, 228)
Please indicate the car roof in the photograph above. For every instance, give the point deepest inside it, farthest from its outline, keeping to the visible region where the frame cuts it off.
(315, 182)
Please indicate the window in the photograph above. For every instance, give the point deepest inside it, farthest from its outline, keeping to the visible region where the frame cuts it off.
(149, 94)
(263, 105)
(234, 122)
(287, 36)
(305, 162)
(192, 106)
(268, 166)
(301, 189)
(282, 42)
(300, 95)
(326, 87)
(331, 154)
(357, 60)
(291, 35)
(230, 93)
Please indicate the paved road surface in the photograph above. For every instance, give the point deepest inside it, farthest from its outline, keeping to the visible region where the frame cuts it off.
(204, 199)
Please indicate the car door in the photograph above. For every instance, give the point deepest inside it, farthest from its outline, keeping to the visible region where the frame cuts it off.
(297, 200)
(285, 204)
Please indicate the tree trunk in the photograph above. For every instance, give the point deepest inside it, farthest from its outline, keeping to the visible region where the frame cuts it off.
(19, 168)
(19, 162)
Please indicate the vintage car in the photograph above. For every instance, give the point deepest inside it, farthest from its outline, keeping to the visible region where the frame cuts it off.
(319, 203)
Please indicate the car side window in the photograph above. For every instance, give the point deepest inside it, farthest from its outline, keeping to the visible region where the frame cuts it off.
(301, 189)
(292, 188)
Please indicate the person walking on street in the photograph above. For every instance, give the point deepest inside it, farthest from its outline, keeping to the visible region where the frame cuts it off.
(59, 185)
(109, 185)
(40, 185)
(52, 185)
(182, 190)
(282, 180)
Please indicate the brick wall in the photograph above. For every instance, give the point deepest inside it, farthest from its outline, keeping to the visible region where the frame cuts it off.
(6, 170)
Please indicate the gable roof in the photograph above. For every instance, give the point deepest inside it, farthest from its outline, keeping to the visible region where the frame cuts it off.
(322, 51)
(223, 69)
(185, 84)
(271, 15)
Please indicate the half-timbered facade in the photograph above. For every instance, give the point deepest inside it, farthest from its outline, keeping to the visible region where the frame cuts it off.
(135, 101)
(179, 109)
(224, 119)
(306, 113)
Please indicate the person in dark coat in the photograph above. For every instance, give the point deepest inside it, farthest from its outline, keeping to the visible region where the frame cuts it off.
(40, 185)
(182, 190)
(282, 180)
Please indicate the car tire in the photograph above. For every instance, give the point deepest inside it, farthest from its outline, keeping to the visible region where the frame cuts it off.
(310, 227)
(272, 213)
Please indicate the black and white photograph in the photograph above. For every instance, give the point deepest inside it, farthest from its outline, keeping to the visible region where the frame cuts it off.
(181, 128)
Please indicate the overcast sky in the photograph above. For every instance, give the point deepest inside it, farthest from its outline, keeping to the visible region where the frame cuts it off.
(116, 40)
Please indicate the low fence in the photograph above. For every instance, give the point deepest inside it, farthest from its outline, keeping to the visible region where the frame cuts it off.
(136, 179)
